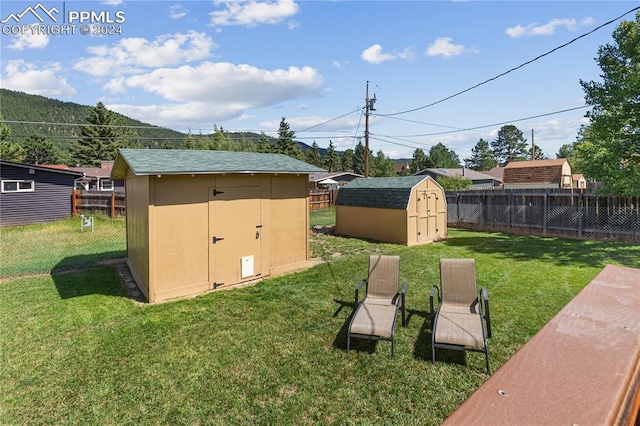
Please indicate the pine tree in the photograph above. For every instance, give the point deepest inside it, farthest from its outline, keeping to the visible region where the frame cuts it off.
(441, 156)
(383, 166)
(331, 159)
(509, 145)
(286, 144)
(419, 162)
(102, 137)
(359, 159)
(481, 157)
(347, 160)
(313, 155)
(264, 144)
(40, 151)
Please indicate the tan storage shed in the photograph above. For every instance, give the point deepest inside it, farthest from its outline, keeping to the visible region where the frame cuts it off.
(202, 220)
(403, 210)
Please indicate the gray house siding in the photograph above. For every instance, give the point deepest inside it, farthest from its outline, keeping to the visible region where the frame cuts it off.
(50, 200)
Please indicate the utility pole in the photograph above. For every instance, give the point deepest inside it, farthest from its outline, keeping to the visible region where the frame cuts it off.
(533, 147)
(368, 107)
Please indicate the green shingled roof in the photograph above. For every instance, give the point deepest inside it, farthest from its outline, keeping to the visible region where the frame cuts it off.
(178, 161)
(384, 192)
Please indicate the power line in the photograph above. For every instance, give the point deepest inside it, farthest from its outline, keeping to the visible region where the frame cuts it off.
(328, 121)
(512, 69)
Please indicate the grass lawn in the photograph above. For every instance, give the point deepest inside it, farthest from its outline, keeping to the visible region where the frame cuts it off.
(75, 349)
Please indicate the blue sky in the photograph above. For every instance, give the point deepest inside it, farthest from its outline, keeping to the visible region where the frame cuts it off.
(244, 65)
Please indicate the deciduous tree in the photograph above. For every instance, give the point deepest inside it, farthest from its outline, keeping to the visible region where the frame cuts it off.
(609, 150)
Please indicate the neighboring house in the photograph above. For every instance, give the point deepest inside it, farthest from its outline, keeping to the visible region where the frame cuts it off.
(407, 210)
(340, 179)
(497, 173)
(578, 181)
(478, 179)
(202, 220)
(94, 178)
(537, 174)
(34, 194)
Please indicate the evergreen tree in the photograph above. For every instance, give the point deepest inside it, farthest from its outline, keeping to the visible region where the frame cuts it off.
(347, 160)
(286, 144)
(331, 159)
(382, 166)
(481, 157)
(539, 155)
(40, 151)
(441, 156)
(509, 145)
(264, 144)
(4, 130)
(221, 141)
(313, 155)
(359, 155)
(102, 137)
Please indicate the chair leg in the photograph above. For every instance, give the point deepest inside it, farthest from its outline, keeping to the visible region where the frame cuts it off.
(348, 341)
(486, 353)
(392, 351)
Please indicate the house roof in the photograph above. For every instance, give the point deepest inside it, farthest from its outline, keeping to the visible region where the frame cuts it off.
(316, 177)
(535, 163)
(537, 171)
(496, 172)
(178, 161)
(382, 192)
(54, 169)
(459, 173)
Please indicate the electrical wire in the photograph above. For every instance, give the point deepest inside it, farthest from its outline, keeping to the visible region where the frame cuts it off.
(512, 69)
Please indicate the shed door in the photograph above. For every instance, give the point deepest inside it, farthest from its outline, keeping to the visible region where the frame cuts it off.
(427, 202)
(235, 232)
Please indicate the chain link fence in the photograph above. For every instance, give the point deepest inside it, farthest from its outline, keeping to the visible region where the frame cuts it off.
(547, 213)
(73, 243)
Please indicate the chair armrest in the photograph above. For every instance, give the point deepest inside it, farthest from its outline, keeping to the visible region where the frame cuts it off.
(487, 315)
(434, 290)
(357, 299)
(403, 296)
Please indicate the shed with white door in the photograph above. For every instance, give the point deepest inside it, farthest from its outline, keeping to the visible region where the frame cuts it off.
(407, 210)
(203, 220)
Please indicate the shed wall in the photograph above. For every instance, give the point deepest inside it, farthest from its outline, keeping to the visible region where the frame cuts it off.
(170, 221)
(137, 189)
(389, 225)
(50, 200)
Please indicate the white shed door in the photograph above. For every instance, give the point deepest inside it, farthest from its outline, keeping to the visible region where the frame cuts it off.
(235, 234)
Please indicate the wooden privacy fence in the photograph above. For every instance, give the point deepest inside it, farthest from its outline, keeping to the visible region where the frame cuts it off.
(546, 212)
(319, 200)
(109, 203)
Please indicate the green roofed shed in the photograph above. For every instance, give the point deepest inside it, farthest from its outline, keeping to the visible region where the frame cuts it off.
(203, 220)
(404, 210)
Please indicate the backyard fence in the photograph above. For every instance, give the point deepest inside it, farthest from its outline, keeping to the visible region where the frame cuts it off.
(111, 204)
(547, 213)
(319, 200)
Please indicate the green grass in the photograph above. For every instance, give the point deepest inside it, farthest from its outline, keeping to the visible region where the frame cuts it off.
(60, 245)
(75, 349)
(324, 217)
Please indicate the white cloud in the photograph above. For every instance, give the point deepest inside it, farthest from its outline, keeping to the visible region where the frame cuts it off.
(243, 86)
(177, 11)
(535, 29)
(29, 41)
(26, 77)
(133, 55)
(214, 92)
(374, 55)
(251, 13)
(443, 46)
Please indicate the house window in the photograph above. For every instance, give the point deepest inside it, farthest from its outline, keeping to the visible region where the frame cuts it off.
(106, 185)
(18, 186)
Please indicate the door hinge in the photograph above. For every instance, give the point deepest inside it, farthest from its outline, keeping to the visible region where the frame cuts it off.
(216, 239)
(216, 192)
(216, 285)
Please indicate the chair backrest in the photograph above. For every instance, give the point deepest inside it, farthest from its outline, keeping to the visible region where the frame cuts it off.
(458, 281)
(384, 276)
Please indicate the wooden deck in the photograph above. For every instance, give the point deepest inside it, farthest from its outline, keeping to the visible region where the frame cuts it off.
(582, 368)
